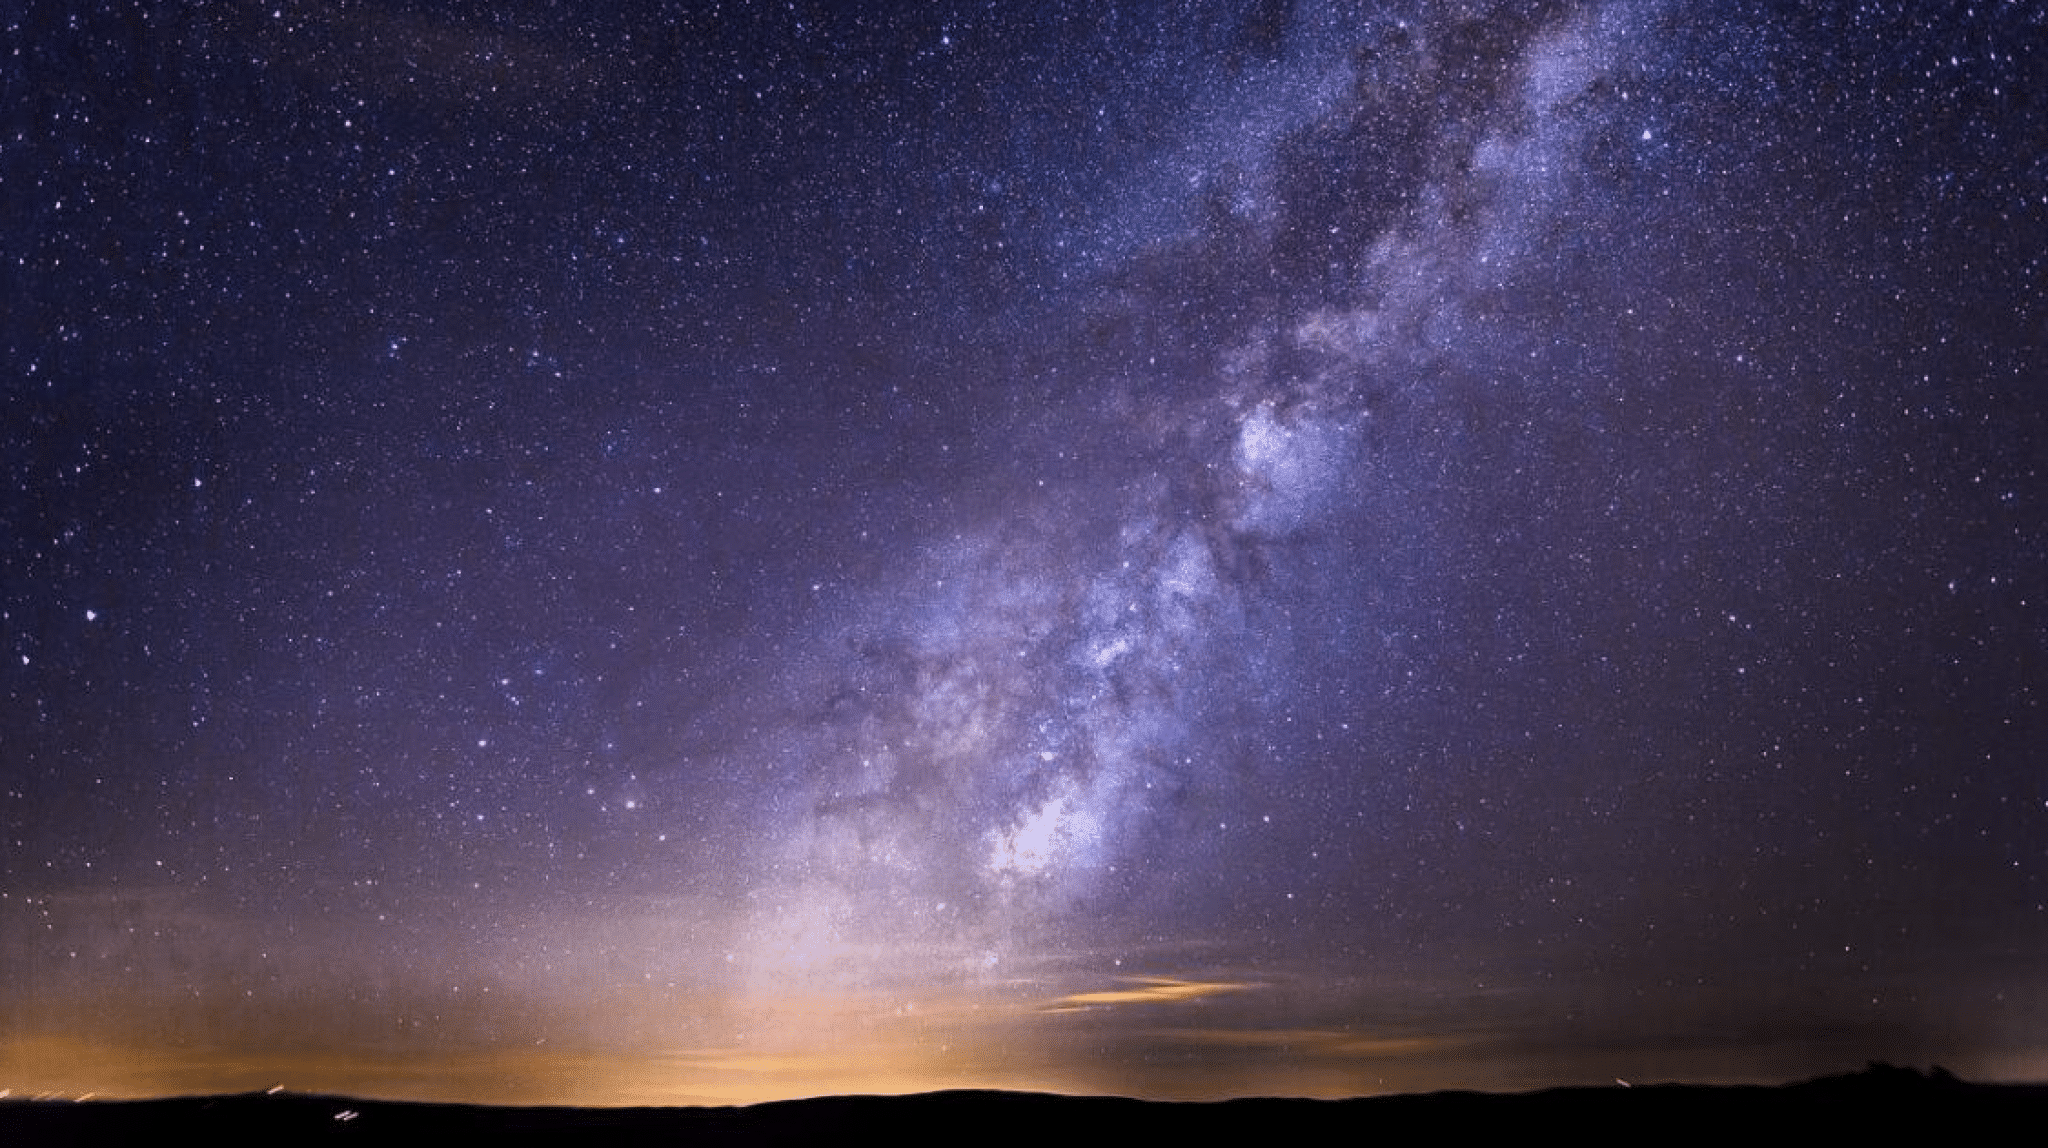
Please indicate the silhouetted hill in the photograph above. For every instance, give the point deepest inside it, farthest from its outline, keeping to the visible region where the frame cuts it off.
(1885, 1103)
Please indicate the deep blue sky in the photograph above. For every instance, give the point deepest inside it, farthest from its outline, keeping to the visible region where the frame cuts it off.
(707, 552)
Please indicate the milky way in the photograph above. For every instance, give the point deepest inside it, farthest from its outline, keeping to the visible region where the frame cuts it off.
(1187, 550)
(1058, 682)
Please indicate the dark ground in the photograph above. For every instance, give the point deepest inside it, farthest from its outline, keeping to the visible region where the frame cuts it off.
(1883, 1103)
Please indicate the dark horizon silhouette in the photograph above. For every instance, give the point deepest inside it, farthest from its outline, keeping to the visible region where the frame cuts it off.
(1882, 1101)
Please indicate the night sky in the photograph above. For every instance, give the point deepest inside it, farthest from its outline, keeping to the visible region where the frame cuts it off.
(695, 553)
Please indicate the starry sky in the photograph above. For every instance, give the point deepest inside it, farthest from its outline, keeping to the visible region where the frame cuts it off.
(704, 552)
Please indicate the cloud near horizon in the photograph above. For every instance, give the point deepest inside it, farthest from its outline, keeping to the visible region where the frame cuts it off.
(1314, 1041)
(1147, 990)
